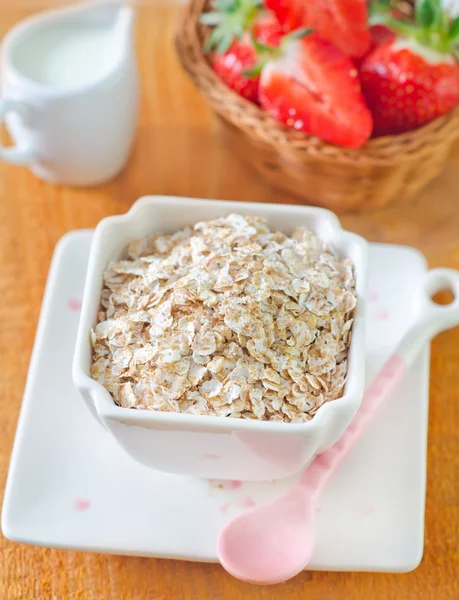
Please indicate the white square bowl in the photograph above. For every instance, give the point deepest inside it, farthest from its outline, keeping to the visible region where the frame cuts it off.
(207, 446)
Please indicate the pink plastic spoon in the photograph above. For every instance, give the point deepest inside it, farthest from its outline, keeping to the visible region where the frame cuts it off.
(272, 543)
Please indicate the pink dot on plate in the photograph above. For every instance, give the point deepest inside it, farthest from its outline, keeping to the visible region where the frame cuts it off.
(382, 315)
(248, 502)
(373, 297)
(81, 504)
(367, 511)
(74, 304)
(232, 485)
(211, 456)
(224, 508)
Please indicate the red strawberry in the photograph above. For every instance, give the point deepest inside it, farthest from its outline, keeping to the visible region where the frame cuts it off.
(414, 78)
(311, 86)
(379, 34)
(407, 85)
(266, 29)
(289, 13)
(344, 23)
(231, 67)
(236, 22)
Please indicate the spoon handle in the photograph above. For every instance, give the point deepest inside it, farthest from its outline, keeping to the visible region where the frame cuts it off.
(432, 319)
(316, 477)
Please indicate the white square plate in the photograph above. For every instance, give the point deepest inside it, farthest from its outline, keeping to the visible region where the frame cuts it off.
(71, 486)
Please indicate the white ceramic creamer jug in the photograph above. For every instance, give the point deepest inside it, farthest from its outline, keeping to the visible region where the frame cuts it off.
(70, 92)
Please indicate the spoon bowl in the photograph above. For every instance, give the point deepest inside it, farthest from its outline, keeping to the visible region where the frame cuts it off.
(278, 533)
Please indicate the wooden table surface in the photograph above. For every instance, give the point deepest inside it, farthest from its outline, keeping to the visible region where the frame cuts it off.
(179, 151)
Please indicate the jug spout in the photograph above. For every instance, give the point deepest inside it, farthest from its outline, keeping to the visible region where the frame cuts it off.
(124, 23)
(116, 15)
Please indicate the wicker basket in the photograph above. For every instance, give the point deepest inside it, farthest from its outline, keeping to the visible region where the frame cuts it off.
(386, 170)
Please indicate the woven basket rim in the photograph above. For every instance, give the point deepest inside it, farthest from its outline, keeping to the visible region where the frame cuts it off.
(231, 106)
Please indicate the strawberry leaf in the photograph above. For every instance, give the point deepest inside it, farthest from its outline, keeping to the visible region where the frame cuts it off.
(223, 5)
(219, 40)
(211, 41)
(297, 34)
(425, 13)
(378, 11)
(262, 48)
(453, 33)
(211, 18)
(231, 18)
(431, 27)
(254, 71)
(440, 15)
(224, 44)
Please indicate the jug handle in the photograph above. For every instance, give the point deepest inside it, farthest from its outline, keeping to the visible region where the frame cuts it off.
(23, 154)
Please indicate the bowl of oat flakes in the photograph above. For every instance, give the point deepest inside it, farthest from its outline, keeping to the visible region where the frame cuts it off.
(223, 339)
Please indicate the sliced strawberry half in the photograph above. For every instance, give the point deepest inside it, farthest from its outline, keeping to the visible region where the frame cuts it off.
(313, 87)
(344, 23)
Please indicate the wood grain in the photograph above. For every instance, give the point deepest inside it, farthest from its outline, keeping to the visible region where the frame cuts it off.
(179, 151)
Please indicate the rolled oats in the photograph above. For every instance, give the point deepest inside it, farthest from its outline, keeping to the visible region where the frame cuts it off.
(226, 318)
